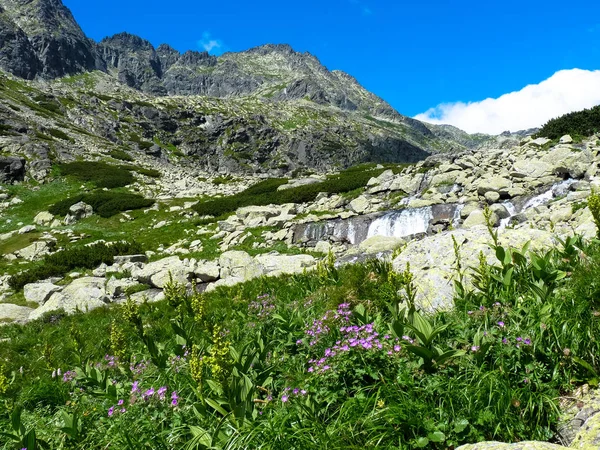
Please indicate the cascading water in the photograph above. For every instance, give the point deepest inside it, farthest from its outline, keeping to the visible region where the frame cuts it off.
(456, 216)
(402, 223)
(512, 211)
(557, 190)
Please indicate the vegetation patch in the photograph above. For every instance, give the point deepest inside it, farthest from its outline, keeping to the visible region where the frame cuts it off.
(120, 155)
(339, 358)
(60, 134)
(577, 124)
(84, 257)
(265, 192)
(105, 204)
(100, 174)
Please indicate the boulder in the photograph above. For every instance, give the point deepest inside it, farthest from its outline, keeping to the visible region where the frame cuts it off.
(565, 160)
(323, 247)
(150, 296)
(477, 219)
(10, 313)
(207, 271)
(588, 436)
(39, 292)
(43, 218)
(566, 139)
(540, 141)
(275, 265)
(124, 259)
(531, 168)
(83, 294)
(238, 264)
(77, 212)
(35, 251)
(27, 229)
(117, 287)
(360, 204)
(158, 273)
(378, 244)
(495, 184)
(409, 184)
(264, 211)
(432, 259)
(11, 169)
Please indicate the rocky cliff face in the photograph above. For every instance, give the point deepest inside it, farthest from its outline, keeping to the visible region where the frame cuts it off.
(60, 46)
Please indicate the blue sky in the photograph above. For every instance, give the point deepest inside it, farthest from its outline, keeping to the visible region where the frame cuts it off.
(416, 55)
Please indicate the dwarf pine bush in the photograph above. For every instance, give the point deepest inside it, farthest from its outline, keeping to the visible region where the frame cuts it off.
(105, 203)
(84, 257)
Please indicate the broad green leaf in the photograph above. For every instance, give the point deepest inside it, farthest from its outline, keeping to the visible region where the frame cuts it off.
(437, 436)
(461, 426)
(422, 442)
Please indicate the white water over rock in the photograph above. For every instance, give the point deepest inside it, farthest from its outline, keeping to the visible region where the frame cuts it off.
(512, 211)
(402, 223)
(456, 216)
(557, 190)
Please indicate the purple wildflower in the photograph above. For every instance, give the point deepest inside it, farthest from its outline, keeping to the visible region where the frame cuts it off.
(111, 411)
(174, 398)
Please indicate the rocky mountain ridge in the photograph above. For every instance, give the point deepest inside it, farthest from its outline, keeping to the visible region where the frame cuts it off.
(268, 109)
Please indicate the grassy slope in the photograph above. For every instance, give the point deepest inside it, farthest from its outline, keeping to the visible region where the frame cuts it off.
(515, 351)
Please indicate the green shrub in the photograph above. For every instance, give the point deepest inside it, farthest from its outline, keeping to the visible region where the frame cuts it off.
(153, 173)
(105, 204)
(141, 143)
(265, 192)
(120, 154)
(579, 123)
(84, 257)
(60, 134)
(594, 205)
(100, 174)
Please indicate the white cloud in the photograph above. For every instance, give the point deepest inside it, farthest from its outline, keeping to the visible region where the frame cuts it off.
(532, 106)
(211, 45)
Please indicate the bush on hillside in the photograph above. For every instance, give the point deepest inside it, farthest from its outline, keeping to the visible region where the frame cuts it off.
(580, 123)
(100, 174)
(120, 154)
(265, 192)
(86, 257)
(105, 204)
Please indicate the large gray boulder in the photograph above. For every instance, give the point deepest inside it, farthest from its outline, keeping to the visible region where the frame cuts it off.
(239, 265)
(378, 244)
(531, 168)
(35, 251)
(10, 313)
(83, 294)
(39, 292)
(158, 273)
(43, 218)
(498, 184)
(207, 271)
(432, 260)
(566, 160)
(11, 169)
(77, 212)
(275, 265)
